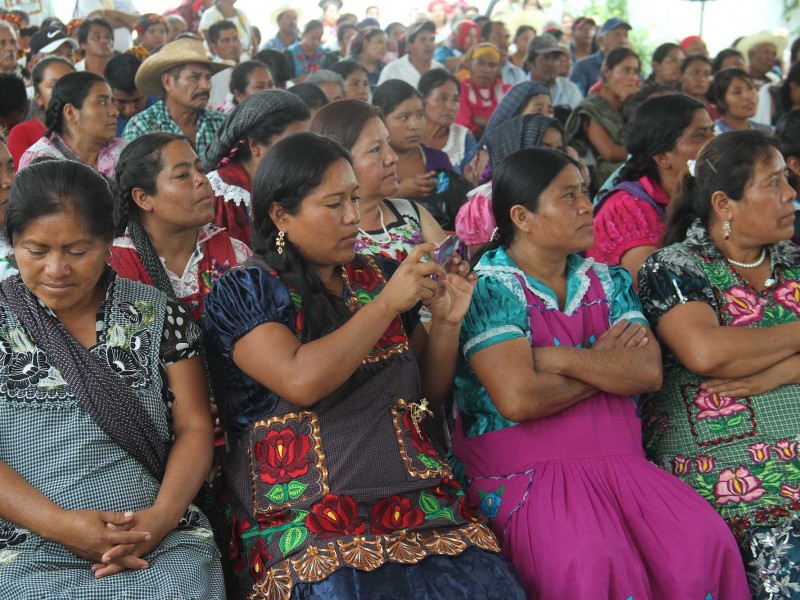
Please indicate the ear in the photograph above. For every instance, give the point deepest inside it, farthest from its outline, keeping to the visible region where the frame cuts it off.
(521, 217)
(663, 160)
(166, 81)
(239, 97)
(278, 216)
(142, 199)
(793, 163)
(257, 149)
(70, 113)
(722, 205)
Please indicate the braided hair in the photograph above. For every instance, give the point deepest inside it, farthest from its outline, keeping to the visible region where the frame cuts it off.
(72, 88)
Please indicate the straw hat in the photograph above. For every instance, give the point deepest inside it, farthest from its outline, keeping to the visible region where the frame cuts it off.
(764, 37)
(285, 8)
(179, 52)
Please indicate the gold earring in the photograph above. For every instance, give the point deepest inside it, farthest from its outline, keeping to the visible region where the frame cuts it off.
(279, 242)
(726, 230)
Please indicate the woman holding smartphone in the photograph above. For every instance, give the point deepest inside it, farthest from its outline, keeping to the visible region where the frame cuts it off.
(391, 228)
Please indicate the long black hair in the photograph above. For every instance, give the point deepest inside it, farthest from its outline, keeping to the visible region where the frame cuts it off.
(138, 167)
(792, 77)
(292, 170)
(656, 127)
(72, 88)
(520, 179)
(659, 55)
(726, 163)
(722, 82)
(391, 94)
(55, 186)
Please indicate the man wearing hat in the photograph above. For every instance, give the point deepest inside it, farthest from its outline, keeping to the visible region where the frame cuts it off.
(286, 18)
(761, 51)
(420, 46)
(586, 72)
(582, 43)
(544, 56)
(181, 74)
(51, 41)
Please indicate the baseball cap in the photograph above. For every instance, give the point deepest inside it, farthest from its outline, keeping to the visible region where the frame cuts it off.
(581, 21)
(544, 44)
(416, 28)
(48, 40)
(614, 23)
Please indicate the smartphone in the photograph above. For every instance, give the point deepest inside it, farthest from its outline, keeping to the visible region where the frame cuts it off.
(442, 182)
(443, 255)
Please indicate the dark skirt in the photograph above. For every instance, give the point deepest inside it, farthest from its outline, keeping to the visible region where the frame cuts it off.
(474, 574)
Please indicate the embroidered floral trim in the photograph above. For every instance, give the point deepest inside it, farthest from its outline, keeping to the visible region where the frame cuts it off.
(404, 547)
(231, 193)
(631, 314)
(287, 463)
(417, 451)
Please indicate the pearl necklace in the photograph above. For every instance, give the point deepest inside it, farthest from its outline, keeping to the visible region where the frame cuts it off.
(383, 226)
(751, 265)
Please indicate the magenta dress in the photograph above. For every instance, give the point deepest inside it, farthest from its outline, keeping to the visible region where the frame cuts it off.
(573, 501)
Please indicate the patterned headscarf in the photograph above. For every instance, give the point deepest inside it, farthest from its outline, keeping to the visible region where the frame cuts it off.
(513, 102)
(146, 21)
(458, 38)
(519, 133)
(253, 110)
(72, 27)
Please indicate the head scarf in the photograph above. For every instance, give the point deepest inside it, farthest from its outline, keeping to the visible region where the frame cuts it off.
(484, 49)
(458, 39)
(513, 102)
(244, 117)
(145, 22)
(519, 133)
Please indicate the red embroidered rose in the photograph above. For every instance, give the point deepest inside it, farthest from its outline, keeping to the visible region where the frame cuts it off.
(283, 456)
(448, 489)
(393, 514)
(469, 512)
(419, 440)
(335, 516)
(394, 335)
(235, 554)
(365, 277)
(273, 520)
(258, 558)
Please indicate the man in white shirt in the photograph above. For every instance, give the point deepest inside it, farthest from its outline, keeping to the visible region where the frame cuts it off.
(225, 47)
(122, 15)
(96, 39)
(544, 55)
(420, 46)
(8, 50)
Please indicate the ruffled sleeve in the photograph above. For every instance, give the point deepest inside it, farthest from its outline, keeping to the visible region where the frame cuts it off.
(623, 303)
(672, 276)
(624, 223)
(495, 315)
(242, 300)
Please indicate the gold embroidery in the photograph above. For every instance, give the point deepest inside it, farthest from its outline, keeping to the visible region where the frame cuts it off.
(480, 535)
(316, 563)
(306, 423)
(361, 554)
(404, 547)
(415, 470)
(449, 543)
(276, 585)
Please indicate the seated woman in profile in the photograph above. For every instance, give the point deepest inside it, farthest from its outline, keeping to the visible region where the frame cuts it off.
(555, 347)
(665, 133)
(109, 368)
(81, 122)
(166, 205)
(231, 160)
(336, 489)
(722, 296)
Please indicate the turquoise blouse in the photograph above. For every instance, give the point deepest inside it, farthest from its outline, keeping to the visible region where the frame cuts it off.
(499, 313)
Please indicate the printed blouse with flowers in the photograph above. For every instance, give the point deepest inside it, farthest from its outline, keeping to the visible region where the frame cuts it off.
(352, 481)
(741, 454)
(303, 63)
(216, 252)
(396, 239)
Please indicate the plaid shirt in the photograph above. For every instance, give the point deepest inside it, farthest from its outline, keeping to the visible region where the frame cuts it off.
(157, 118)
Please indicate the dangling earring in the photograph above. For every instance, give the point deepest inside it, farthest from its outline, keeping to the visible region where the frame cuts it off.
(279, 242)
(726, 230)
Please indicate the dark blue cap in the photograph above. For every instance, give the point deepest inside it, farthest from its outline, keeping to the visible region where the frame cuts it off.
(614, 23)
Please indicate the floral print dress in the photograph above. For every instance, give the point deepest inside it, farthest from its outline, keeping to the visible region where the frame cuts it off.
(741, 454)
(322, 497)
(50, 439)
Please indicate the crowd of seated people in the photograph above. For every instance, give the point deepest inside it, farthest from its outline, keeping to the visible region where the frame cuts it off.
(481, 306)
